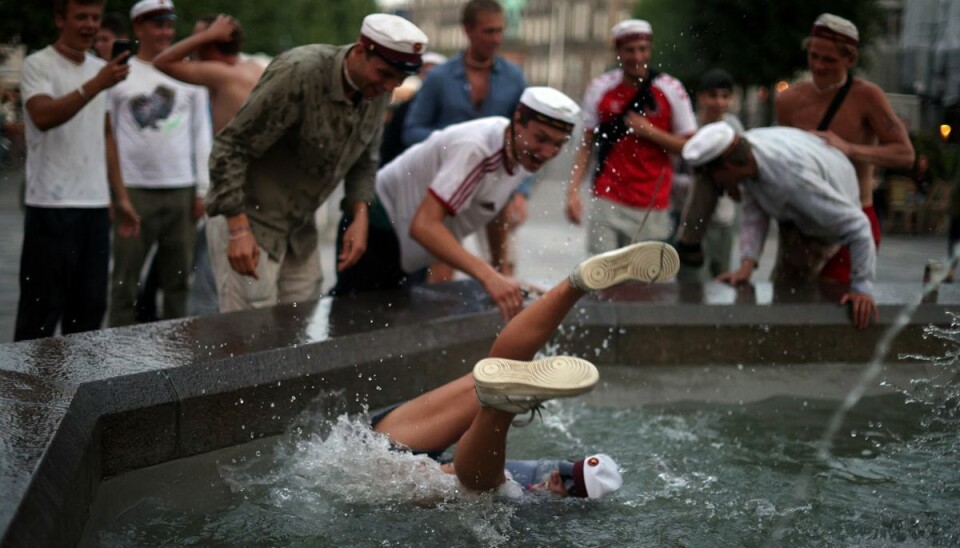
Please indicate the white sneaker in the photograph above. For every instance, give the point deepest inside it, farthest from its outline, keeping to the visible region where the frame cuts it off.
(641, 262)
(518, 386)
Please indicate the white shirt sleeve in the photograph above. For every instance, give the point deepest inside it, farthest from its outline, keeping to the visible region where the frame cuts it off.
(202, 135)
(754, 223)
(591, 100)
(683, 121)
(34, 80)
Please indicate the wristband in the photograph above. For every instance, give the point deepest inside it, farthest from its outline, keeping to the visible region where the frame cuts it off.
(83, 94)
(239, 229)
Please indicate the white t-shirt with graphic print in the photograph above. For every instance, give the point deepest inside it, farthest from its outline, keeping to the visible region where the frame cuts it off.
(163, 130)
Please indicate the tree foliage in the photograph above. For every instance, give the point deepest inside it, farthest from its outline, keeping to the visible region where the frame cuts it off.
(757, 41)
(270, 27)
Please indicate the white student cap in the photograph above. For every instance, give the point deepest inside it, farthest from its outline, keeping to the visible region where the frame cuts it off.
(551, 107)
(152, 9)
(434, 58)
(630, 30)
(708, 144)
(596, 476)
(831, 27)
(397, 41)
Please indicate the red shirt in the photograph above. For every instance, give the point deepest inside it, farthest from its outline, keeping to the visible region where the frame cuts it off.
(633, 165)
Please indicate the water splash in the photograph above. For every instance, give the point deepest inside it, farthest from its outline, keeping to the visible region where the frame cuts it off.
(867, 379)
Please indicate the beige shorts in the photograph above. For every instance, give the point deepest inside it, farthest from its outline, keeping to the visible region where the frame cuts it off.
(613, 225)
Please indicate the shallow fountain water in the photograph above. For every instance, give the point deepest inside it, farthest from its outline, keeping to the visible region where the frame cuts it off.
(712, 466)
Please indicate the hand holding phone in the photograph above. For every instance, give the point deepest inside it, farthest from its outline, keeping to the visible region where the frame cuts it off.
(121, 45)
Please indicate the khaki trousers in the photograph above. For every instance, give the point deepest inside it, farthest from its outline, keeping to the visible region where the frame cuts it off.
(287, 279)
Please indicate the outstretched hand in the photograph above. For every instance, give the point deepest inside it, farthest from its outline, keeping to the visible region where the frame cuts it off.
(864, 308)
(506, 293)
(739, 276)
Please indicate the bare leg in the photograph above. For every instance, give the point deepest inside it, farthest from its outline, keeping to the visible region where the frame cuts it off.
(438, 418)
(482, 451)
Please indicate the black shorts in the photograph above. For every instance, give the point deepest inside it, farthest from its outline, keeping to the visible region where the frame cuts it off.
(435, 455)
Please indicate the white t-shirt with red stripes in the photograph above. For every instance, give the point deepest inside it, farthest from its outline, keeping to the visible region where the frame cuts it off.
(462, 166)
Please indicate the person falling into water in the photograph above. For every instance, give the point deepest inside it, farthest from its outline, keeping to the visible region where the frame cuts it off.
(475, 412)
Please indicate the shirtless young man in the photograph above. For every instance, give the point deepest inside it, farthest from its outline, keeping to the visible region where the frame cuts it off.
(865, 128)
(216, 41)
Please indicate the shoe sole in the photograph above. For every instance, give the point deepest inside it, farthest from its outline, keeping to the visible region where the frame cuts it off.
(641, 262)
(554, 377)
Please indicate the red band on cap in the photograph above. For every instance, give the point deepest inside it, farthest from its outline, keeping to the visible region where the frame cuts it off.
(392, 54)
(621, 40)
(821, 31)
(579, 486)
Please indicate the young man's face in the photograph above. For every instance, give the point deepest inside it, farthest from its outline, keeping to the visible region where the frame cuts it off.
(825, 61)
(78, 27)
(103, 43)
(714, 103)
(486, 34)
(154, 35)
(537, 143)
(372, 75)
(634, 57)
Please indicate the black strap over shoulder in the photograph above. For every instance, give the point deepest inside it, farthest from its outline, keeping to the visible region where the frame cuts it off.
(835, 104)
(610, 133)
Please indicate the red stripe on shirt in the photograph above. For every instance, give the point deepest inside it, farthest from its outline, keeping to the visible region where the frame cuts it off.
(467, 187)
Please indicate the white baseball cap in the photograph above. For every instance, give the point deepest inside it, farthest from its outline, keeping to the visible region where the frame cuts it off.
(396, 40)
(832, 27)
(597, 475)
(551, 107)
(434, 58)
(152, 8)
(708, 144)
(630, 30)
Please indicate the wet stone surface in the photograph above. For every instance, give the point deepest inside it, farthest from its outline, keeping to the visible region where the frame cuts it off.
(104, 402)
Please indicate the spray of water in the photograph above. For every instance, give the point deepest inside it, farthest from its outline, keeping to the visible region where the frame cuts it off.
(867, 379)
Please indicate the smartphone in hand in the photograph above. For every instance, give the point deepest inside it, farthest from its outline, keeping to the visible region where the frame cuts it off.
(121, 45)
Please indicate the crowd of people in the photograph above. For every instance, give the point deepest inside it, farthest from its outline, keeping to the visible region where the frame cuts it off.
(192, 166)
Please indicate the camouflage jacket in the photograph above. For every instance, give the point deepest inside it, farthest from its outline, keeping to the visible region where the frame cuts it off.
(292, 142)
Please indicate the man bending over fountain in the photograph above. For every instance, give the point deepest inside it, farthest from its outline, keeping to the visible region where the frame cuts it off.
(791, 175)
(456, 182)
(476, 410)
